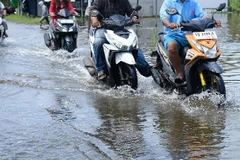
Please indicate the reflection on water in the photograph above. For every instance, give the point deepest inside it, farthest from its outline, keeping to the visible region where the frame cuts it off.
(233, 26)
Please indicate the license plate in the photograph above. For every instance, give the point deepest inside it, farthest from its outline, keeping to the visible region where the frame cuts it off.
(66, 21)
(205, 35)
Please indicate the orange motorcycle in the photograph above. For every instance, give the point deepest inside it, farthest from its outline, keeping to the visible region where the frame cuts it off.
(199, 61)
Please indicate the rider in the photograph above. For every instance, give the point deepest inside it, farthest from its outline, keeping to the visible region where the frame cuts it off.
(3, 12)
(108, 8)
(56, 6)
(174, 40)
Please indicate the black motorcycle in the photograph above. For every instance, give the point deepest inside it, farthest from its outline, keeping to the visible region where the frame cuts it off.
(63, 32)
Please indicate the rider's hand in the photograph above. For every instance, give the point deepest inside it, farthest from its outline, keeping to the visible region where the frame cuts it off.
(135, 20)
(172, 25)
(51, 14)
(218, 23)
(95, 22)
(4, 12)
(76, 13)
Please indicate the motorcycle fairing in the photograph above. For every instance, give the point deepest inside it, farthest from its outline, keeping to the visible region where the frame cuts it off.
(209, 43)
(107, 49)
(125, 57)
(121, 42)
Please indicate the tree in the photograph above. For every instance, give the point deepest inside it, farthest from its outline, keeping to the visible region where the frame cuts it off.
(234, 4)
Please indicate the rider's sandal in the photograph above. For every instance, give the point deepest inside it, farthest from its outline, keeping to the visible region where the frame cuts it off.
(101, 76)
(179, 80)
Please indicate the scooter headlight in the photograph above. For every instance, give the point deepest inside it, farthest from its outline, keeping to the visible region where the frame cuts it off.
(73, 28)
(209, 52)
(61, 28)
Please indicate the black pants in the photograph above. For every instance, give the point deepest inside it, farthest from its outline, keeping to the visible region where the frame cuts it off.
(44, 18)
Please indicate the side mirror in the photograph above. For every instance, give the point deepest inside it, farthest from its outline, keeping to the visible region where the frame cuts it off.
(94, 13)
(172, 11)
(221, 7)
(137, 8)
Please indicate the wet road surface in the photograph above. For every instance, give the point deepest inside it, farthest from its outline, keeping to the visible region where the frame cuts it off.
(51, 108)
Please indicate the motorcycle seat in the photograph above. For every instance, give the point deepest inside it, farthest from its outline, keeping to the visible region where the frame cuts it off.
(160, 37)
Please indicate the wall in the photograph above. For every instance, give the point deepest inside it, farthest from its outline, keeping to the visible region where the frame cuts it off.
(149, 7)
(213, 4)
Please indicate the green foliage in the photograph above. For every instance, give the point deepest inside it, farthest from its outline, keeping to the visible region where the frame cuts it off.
(234, 4)
(6, 2)
(23, 19)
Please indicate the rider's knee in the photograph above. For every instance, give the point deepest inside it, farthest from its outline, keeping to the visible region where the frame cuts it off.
(172, 47)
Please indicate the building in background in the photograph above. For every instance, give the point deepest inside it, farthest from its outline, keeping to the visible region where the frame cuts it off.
(150, 8)
(213, 3)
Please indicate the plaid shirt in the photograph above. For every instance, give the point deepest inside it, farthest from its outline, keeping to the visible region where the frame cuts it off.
(108, 8)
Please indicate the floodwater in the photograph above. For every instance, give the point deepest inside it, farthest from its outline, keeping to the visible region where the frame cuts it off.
(51, 108)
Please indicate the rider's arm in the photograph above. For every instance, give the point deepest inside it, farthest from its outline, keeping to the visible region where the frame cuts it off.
(164, 17)
(128, 8)
(52, 8)
(70, 8)
(199, 12)
(168, 24)
(97, 4)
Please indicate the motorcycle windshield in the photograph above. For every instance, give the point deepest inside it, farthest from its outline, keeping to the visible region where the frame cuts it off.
(198, 25)
(65, 13)
(117, 21)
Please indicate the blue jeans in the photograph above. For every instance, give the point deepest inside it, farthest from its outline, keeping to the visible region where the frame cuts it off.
(141, 63)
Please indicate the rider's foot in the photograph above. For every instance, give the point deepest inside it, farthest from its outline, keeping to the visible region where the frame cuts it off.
(5, 34)
(150, 70)
(179, 79)
(101, 75)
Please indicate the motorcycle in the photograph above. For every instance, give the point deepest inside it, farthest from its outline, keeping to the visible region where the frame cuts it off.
(9, 10)
(2, 37)
(199, 61)
(119, 53)
(63, 32)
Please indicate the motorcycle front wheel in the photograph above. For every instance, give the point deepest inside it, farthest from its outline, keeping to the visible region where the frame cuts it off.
(216, 83)
(129, 75)
(68, 46)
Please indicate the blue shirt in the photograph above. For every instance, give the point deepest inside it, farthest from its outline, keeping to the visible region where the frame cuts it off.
(190, 9)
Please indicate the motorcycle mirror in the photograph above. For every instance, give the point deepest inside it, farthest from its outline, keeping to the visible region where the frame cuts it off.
(137, 8)
(94, 13)
(221, 7)
(172, 11)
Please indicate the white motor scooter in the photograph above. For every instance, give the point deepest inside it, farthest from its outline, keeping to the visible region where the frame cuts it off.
(119, 54)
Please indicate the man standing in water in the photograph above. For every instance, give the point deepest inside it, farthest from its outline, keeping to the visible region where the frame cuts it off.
(175, 39)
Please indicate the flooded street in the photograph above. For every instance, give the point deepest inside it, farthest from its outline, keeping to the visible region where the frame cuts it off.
(51, 108)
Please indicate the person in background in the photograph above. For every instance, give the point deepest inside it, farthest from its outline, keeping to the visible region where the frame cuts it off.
(108, 8)
(44, 12)
(3, 13)
(57, 5)
(174, 38)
